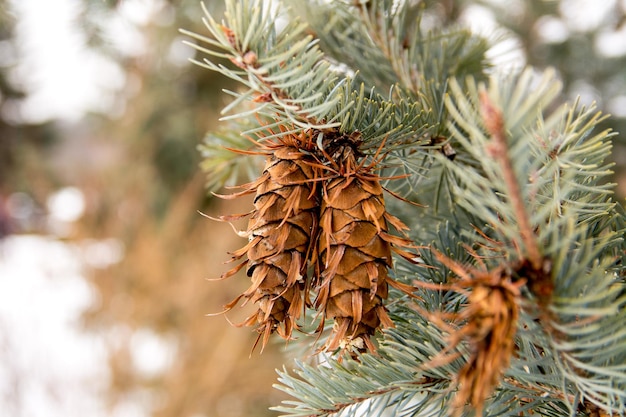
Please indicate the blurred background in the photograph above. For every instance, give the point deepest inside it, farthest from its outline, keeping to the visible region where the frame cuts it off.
(103, 253)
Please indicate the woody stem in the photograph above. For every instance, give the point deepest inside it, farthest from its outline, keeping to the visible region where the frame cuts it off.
(494, 123)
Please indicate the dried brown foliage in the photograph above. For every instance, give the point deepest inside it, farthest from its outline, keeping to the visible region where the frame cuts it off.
(591, 409)
(487, 324)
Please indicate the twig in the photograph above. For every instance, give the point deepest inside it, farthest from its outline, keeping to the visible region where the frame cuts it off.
(498, 149)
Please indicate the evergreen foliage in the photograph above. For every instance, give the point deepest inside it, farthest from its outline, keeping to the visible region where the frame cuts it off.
(522, 203)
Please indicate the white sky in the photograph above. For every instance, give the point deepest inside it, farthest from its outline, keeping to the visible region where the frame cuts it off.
(63, 78)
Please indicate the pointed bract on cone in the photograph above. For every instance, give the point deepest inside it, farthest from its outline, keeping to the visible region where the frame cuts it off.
(279, 234)
(354, 252)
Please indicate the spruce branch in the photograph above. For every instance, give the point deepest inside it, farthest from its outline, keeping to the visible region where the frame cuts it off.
(558, 164)
(587, 330)
(384, 384)
(286, 74)
(282, 70)
(492, 117)
(523, 197)
(390, 34)
(223, 166)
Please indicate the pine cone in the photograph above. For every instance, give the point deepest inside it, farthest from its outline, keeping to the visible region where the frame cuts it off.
(354, 252)
(279, 234)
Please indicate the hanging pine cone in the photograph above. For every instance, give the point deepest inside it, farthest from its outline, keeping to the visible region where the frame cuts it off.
(279, 234)
(354, 249)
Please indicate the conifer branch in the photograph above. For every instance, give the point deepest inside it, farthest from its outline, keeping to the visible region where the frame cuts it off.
(390, 34)
(535, 208)
(223, 166)
(282, 70)
(288, 78)
(498, 149)
(561, 170)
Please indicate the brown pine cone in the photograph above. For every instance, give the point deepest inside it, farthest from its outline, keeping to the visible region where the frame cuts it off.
(279, 234)
(354, 251)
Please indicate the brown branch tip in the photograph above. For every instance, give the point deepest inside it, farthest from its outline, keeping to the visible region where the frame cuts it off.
(498, 149)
